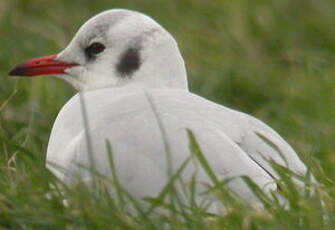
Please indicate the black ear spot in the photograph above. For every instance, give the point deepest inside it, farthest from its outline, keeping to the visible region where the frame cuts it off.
(129, 62)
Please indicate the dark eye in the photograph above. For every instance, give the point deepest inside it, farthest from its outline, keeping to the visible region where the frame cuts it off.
(94, 49)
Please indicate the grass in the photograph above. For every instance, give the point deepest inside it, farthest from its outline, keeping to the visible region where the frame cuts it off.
(273, 59)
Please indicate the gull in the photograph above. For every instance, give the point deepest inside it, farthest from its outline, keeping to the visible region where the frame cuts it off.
(133, 96)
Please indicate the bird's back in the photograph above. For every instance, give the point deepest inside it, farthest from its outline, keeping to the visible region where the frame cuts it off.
(147, 132)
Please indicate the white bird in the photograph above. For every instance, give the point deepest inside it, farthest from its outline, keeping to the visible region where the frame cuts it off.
(132, 79)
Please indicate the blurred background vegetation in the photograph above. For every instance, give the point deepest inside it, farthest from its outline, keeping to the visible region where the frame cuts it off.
(273, 59)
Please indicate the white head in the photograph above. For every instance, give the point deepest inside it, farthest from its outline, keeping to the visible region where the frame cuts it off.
(115, 48)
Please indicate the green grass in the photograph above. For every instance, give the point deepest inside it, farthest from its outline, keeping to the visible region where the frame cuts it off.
(273, 59)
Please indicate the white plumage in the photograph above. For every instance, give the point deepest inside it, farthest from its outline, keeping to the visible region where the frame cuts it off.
(136, 121)
(144, 113)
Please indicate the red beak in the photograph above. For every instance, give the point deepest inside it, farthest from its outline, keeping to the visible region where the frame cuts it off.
(41, 66)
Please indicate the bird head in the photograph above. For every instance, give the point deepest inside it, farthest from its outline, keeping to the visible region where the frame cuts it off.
(114, 48)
